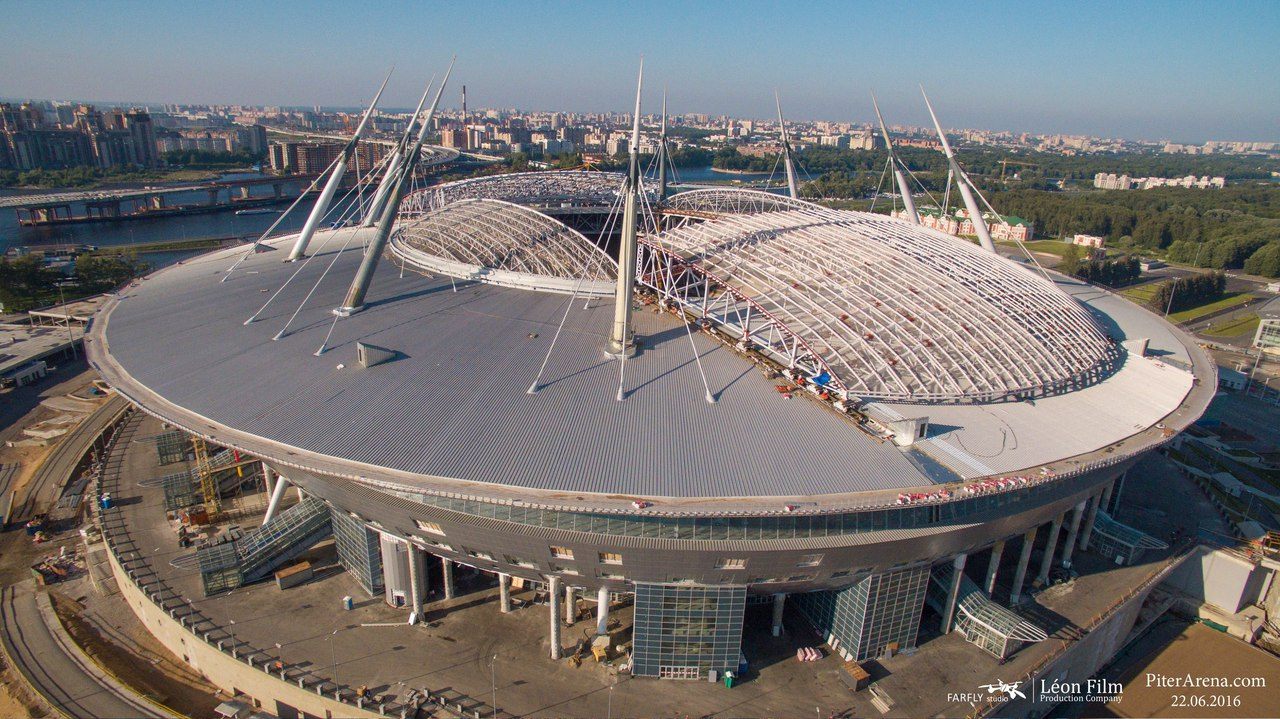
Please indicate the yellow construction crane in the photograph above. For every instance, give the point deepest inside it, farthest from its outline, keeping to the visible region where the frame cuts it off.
(208, 482)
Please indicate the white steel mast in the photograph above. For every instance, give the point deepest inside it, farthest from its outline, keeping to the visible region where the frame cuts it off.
(962, 183)
(662, 151)
(331, 187)
(621, 341)
(354, 301)
(903, 188)
(786, 152)
(384, 187)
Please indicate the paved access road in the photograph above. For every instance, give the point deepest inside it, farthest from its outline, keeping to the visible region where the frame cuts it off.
(58, 671)
(46, 485)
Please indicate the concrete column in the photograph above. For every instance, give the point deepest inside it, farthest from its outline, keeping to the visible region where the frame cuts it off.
(281, 485)
(1089, 519)
(554, 596)
(1073, 532)
(504, 593)
(953, 594)
(269, 478)
(1114, 508)
(447, 564)
(994, 566)
(570, 605)
(417, 580)
(602, 610)
(1106, 496)
(1024, 558)
(1047, 562)
(299, 488)
(779, 603)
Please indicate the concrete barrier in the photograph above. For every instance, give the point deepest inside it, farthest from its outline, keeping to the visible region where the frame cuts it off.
(233, 676)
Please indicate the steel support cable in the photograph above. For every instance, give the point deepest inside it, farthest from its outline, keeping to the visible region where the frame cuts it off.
(879, 185)
(323, 244)
(354, 231)
(614, 212)
(706, 386)
(258, 242)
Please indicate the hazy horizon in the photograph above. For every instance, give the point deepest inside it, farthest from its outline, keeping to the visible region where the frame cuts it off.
(1134, 70)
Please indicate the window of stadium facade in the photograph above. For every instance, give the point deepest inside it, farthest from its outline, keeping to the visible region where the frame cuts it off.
(788, 526)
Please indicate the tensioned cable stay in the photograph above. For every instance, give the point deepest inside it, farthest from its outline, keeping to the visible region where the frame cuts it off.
(301, 266)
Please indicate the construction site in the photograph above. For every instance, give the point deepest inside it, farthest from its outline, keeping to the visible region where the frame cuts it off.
(529, 444)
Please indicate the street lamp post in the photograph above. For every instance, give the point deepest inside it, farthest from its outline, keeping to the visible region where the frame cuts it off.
(493, 681)
(333, 655)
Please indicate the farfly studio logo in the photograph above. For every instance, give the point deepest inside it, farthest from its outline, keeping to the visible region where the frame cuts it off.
(998, 691)
(1009, 690)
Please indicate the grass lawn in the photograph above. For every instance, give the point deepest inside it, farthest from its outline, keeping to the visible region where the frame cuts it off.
(1141, 294)
(1049, 247)
(1194, 313)
(1239, 326)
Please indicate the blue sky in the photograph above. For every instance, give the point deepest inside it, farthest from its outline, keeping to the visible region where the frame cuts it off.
(1182, 70)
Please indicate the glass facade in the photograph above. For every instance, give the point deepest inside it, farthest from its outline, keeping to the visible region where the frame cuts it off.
(864, 619)
(358, 550)
(684, 631)
(1268, 335)
(794, 526)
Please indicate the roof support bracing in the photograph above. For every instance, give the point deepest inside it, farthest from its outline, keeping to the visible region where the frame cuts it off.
(787, 160)
(903, 188)
(339, 171)
(963, 183)
(354, 301)
(621, 341)
(916, 316)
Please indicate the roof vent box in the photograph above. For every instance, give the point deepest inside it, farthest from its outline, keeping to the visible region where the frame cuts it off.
(1137, 346)
(371, 355)
(908, 431)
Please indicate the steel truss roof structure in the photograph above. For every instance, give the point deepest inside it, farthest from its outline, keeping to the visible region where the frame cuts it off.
(729, 201)
(506, 244)
(884, 309)
(574, 188)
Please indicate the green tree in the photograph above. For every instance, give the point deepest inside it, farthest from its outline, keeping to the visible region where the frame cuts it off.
(1070, 260)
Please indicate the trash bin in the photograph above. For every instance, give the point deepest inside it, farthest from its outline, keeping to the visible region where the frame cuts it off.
(728, 679)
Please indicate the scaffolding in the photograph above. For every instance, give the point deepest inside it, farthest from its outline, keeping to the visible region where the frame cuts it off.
(979, 619)
(253, 556)
(172, 447)
(180, 491)
(209, 489)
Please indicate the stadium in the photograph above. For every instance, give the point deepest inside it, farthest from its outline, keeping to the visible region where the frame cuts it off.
(796, 405)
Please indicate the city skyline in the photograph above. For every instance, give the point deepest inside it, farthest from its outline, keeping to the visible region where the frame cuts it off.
(1115, 72)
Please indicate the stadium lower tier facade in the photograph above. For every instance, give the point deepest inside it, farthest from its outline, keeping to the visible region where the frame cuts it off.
(472, 423)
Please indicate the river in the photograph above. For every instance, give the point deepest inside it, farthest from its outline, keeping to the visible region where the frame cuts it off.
(227, 223)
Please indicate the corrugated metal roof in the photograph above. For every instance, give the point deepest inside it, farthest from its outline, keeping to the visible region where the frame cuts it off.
(454, 404)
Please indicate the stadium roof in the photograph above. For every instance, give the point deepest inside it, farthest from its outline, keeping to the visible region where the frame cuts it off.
(733, 201)
(890, 310)
(503, 243)
(553, 188)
